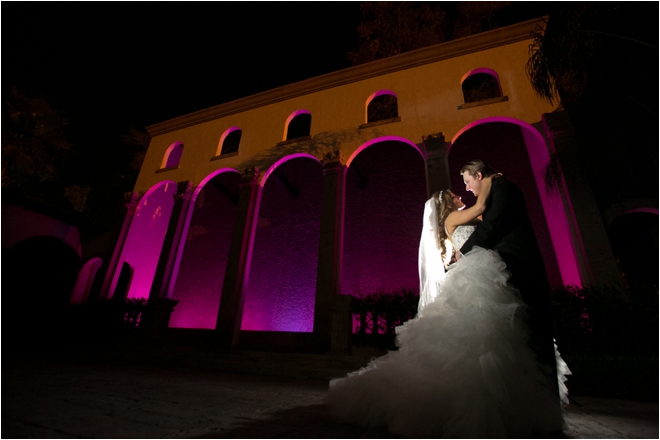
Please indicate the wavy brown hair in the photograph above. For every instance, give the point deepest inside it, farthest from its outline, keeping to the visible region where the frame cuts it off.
(445, 205)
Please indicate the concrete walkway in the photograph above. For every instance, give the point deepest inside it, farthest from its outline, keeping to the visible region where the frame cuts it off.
(89, 397)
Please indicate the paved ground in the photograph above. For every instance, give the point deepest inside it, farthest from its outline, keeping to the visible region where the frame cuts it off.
(74, 397)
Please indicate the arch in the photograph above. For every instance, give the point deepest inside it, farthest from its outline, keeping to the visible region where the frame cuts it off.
(381, 105)
(280, 161)
(480, 84)
(200, 265)
(557, 208)
(145, 238)
(229, 141)
(281, 287)
(385, 190)
(379, 140)
(86, 278)
(628, 206)
(172, 155)
(298, 124)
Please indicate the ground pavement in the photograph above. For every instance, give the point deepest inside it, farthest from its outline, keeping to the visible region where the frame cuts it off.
(95, 397)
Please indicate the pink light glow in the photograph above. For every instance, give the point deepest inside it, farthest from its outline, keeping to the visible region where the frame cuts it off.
(264, 176)
(145, 238)
(172, 155)
(222, 139)
(556, 216)
(85, 280)
(290, 118)
(281, 277)
(381, 139)
(482, 70)
(201, 263)
(371, 98)
(644, 210)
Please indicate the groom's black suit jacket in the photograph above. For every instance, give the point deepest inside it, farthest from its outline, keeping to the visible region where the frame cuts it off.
(507, 229)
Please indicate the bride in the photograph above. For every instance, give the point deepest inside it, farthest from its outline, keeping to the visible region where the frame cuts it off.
(463, 368)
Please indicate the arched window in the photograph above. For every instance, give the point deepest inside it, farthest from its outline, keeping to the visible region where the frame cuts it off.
(229, 141)
(382, 105)
(481, 84)
(172, 155)
(298, 125)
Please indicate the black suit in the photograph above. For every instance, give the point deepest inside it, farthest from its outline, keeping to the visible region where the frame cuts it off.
(507, 229)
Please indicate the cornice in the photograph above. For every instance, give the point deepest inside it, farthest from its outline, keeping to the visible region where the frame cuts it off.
(451, 49)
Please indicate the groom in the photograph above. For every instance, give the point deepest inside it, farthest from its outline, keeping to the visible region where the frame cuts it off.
(507, 229)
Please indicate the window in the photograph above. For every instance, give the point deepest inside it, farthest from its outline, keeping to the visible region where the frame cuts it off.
(172, 155)
(381, 106)
(481, 84)
(299, 125)
(229, 141)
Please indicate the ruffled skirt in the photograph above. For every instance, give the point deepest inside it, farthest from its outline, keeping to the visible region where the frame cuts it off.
(463, 368)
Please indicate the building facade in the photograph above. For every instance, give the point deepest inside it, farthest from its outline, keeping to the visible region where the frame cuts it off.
(261, 215)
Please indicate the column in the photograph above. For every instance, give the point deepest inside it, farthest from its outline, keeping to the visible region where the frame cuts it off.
(230, 313)
(437, 167)
(173, 242)
(596, 260)
(131, 200)
(328, 278)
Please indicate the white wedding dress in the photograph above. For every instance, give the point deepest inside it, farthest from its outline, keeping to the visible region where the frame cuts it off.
(463, 368)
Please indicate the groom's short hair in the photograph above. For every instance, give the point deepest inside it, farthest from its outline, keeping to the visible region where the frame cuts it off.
(477, 166)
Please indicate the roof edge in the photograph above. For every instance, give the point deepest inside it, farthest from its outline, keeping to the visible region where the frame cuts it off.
(450, 49)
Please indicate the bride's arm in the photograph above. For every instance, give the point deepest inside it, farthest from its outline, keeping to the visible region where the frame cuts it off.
(466, 215)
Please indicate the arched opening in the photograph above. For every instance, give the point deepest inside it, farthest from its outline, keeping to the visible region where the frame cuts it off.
(145, 238)
(385, 196)
(480, 84)
(229, 141)
(298, 124)
(634, 239)
(382, 105)
(86, 278)
(172, 155)
(281, 288)
(201, 271)
(518, 151)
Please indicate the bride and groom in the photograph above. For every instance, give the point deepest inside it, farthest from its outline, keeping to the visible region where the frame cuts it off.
(478, 360)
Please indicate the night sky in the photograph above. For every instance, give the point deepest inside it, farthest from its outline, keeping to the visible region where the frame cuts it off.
(107, 67)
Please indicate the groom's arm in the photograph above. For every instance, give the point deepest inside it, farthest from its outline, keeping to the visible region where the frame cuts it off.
(497, 219)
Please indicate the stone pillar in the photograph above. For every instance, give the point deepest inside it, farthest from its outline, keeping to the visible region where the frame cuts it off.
(131, 200)
(328, 278)
(595, 258)
(437, 166)
(173, 242)
(230, 313)
(342, 324)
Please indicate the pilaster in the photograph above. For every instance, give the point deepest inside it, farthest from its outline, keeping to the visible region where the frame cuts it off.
(437, 165)
(328, 278)
(230, 312)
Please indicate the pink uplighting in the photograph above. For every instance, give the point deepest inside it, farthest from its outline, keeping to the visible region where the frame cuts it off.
(281, 285)
(378, 140)
(201, 263)
(85, 279)
(481, 70)
(553, 206)
(223, 137)
(145, 238)
(172, 155)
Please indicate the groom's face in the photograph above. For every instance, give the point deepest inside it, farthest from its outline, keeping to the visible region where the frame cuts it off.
(473, 183)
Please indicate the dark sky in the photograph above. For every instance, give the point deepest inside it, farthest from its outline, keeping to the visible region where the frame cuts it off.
(108, 67)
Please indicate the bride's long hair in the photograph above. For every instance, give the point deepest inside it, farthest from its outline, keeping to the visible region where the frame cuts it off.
(445, 205)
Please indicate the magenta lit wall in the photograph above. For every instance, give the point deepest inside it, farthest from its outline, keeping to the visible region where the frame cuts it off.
(502, 146)
(282, 280)
(145, 238)
(385, 196)
(201, 273)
